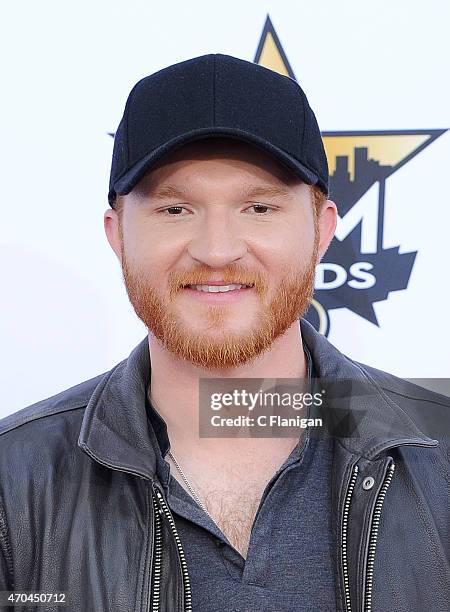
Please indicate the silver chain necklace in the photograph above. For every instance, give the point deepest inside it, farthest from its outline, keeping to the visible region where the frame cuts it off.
(193, 493)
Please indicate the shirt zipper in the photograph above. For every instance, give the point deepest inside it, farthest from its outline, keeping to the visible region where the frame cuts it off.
(162, 508)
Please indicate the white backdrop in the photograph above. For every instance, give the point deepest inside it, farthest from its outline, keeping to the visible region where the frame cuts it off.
(67, 70)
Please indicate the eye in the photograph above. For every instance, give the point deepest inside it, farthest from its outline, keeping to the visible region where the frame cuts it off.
(173, 208)
(261, 206)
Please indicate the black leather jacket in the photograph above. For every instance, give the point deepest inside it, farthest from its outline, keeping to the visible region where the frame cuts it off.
(82, 512)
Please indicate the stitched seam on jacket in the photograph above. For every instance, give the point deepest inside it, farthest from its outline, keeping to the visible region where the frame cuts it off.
(76, 406)
(5, 545)
(413, 397)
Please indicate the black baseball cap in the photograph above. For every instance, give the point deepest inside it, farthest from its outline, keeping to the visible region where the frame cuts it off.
(216, 95)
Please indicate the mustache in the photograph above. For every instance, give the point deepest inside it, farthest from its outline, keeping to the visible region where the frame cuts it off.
(179, 280)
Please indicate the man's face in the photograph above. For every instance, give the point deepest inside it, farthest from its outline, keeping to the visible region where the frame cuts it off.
(211, 211)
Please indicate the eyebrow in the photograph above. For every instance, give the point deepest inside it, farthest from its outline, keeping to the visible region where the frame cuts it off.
(248, 191)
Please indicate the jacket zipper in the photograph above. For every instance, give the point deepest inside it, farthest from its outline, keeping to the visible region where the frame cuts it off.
(155, 578)
(344, 557)
(161, 505)
(373, 535)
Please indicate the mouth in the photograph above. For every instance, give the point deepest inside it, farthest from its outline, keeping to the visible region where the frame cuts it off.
(218, 288)
(218, 294)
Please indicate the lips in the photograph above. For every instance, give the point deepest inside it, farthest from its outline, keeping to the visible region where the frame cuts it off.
(211, 290)
(217, 296)
(215, 284)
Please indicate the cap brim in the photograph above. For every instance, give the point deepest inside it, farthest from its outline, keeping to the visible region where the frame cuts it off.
(130, 179)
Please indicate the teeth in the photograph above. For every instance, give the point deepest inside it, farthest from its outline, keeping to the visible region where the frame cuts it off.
(216, 288)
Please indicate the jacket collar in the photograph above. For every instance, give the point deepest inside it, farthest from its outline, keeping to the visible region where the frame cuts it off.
(380, 423)
(114, 430)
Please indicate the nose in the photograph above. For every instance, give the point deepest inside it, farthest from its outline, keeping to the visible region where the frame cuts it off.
(217, 241)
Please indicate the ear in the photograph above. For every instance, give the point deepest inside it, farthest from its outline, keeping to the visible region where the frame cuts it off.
(112, 230)
(327, 222)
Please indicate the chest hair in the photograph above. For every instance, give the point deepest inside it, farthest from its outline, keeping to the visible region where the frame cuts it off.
(233, 509)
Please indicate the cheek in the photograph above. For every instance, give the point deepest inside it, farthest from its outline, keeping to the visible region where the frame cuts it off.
(141, 243)
(289, 247)
(152, 258)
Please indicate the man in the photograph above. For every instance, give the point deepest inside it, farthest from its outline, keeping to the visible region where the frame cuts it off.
(109, 495)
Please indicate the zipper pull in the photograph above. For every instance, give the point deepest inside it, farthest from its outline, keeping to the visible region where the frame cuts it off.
(159, 498)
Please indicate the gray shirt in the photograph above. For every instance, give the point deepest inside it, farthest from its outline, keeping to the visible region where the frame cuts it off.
(289, 564)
